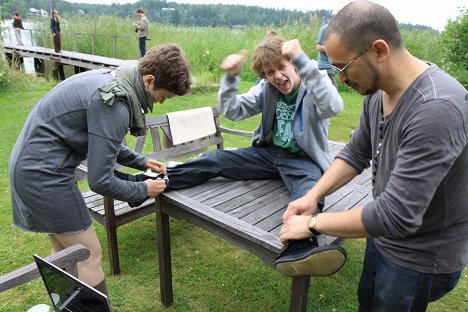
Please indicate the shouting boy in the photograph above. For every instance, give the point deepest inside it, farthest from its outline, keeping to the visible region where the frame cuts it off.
(296, 100)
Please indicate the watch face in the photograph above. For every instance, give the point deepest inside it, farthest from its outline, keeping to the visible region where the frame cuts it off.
(311, 225)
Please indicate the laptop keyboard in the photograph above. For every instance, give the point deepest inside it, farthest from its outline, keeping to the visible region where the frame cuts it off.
(86, 305)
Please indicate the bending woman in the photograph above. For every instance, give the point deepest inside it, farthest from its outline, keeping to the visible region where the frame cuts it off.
(87, 116)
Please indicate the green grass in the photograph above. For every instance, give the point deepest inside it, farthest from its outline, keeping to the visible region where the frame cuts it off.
(209, 274)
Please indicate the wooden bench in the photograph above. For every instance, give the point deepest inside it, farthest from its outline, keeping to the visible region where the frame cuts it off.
(114, 213)
(65, 259)
(247, 214)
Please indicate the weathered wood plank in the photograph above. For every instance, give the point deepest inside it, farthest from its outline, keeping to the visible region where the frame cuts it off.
(242, 190)
(225, 221)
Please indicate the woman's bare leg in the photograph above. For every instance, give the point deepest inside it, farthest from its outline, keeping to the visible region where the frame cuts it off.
(90, 270)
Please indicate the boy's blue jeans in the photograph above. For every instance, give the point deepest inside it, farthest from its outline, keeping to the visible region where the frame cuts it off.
(385, 286)
(299, 173)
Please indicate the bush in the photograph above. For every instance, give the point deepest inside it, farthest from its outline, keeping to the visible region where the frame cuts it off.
(15, 79)
(4, 75)
(454, 41)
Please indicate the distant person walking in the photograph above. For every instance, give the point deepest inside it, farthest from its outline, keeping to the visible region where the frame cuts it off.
(141, 27)
(55, 27)
(322, 58)
(17, 26)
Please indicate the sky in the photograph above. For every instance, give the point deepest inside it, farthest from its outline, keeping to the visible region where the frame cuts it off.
(433, 13)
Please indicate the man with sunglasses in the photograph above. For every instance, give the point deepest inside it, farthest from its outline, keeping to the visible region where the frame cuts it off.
(413, 131)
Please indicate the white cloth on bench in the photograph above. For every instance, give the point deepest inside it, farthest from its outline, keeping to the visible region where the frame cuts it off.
(192, 124)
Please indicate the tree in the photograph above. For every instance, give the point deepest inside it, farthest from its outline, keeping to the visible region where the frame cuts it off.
(454, 41)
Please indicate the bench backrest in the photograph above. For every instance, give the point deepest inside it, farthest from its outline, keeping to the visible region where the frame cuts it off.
(159, 140)
(157, 143)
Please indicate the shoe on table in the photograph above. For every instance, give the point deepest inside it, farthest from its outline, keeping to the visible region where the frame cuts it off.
(306, 257)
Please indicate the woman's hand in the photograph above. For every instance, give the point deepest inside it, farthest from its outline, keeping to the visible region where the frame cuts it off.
(155, 187)
(155, 165)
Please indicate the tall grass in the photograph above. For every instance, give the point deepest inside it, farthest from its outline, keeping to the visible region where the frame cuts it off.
(206, 47)
(14, 80)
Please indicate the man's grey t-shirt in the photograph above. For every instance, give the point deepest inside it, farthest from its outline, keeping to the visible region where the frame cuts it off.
(420, 183)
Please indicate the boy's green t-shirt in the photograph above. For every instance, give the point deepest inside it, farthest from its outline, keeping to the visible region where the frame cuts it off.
(283, 128)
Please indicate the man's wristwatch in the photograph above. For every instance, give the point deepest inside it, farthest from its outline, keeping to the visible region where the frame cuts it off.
(311, 225)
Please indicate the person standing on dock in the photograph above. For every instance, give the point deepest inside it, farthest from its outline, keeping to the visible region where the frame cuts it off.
(55, 27)
(17, 26)
(141, 27)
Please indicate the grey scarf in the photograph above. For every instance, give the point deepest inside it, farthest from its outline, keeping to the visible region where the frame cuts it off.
(128, 86)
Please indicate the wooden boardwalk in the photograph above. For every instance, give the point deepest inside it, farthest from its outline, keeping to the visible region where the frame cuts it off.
(80, 60)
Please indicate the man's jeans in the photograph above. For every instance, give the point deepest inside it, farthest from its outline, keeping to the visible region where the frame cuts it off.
(385, 286)
(299, 173)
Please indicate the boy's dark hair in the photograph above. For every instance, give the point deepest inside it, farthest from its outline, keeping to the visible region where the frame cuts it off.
(267, 52)
(360, 23)
(170, 68)
(140, 10)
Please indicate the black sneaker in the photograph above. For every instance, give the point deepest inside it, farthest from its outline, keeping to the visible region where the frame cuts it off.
(306, 257)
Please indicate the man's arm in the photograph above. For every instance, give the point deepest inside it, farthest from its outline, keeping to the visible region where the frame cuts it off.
(342, 224)
(347, 224)
(337, 175)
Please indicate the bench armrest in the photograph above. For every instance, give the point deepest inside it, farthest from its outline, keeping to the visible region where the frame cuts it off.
(235, 132)
(66, 258)
(81, 172)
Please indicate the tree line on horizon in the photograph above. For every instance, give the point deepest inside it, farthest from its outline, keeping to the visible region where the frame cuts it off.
(168, 12)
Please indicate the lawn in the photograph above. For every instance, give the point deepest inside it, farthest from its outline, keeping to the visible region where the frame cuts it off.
(209, 274)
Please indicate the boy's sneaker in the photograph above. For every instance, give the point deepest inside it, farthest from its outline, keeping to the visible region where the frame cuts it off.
(306, 257)
(140, 178)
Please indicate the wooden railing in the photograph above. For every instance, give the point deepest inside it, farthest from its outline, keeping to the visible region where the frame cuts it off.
(42, 37)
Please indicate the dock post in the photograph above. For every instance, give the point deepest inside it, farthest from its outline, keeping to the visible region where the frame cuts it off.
(58, 72)
(39, 67)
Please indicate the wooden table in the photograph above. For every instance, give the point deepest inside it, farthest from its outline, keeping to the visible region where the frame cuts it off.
(247, 214)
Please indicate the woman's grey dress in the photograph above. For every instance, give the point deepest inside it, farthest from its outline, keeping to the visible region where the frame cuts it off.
(67, 125)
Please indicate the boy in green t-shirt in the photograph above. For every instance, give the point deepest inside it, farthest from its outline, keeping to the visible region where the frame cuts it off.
(295, 99)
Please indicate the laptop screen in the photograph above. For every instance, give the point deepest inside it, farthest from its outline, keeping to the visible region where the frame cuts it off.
(68, 293)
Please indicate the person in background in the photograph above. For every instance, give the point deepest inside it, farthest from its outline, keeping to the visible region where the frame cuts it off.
(17, 27)
(414, 130)
(55, 27)
(141, 27)
(88, 116)
(322, 58)
(295, 100)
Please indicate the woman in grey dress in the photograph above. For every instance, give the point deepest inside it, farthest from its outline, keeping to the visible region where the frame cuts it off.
(87, 116)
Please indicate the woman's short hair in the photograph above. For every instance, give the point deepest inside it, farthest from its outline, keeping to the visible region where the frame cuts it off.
(170, 68)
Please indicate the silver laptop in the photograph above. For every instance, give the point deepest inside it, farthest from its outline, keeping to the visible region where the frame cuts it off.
(69, 294)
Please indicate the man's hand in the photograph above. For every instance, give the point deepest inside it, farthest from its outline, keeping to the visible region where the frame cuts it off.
(295, 229)
(292, 49)
(155, 165)
(302, 206)
(155, 187)
(232, 64)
